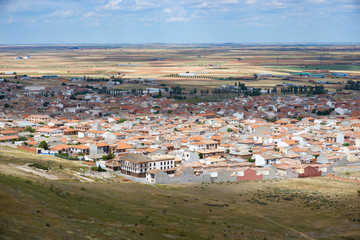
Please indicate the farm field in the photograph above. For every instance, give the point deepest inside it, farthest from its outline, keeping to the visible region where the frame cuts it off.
(316, 208)
(157, 61)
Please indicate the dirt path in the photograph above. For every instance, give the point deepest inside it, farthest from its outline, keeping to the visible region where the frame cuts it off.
(81, 178)
(292, 229)
(38, 173)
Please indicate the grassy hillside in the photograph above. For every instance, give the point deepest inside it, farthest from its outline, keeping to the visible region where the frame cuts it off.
(32, 207)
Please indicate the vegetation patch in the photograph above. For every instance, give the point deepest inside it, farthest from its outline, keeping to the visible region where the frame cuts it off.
(39, 166)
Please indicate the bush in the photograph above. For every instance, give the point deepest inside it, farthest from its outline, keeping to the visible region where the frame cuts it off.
(121, 120)
(98, 169)
(37, 165)
(22, 138)
(29, 129)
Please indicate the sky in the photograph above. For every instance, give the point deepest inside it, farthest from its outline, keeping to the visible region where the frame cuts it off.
(179, 21)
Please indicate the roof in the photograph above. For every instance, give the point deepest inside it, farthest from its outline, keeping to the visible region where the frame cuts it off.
(81, 146)
(136, 158)
(121, 145)
(290, 141)
(154, 171)
(5, 138)
(60, 147)
(9, 132)
(47, 129)
(101, 144)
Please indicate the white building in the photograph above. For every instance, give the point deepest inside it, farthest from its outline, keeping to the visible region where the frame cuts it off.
(136, 165)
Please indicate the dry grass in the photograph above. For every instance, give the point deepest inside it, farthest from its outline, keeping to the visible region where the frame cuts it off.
(134, 61)
(316, 208)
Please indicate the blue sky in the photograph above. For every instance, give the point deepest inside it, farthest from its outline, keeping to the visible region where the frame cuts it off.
(179, 21)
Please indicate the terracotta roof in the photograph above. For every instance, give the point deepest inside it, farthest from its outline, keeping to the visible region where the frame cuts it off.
(6, 138)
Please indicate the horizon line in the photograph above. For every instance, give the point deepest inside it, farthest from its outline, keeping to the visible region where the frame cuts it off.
(204, 43)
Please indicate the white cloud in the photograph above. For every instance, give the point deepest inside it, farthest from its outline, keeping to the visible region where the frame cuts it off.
(62, 13)
(143, 3)
(177, 19)
(112, 5)
(317, 1)
(168, 10)
(230, 1)
(202, 5)
(250, 1)
(88, 14)
(10, 20)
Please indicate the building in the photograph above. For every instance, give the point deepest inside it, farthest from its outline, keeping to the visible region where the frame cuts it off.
(38, 118)
(137, 165)
(50, 77)
(339, 74)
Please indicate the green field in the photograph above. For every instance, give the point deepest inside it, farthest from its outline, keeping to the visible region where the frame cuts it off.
(36, 208)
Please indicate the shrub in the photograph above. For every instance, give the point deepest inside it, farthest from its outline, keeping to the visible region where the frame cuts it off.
(37, 165)
(98, 169)
(29, 129)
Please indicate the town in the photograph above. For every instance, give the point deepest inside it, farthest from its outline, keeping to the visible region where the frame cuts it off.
(148, 136)
(199, 120)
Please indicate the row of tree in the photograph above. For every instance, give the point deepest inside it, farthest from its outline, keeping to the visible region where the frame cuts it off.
(352, 85)
(317, 89)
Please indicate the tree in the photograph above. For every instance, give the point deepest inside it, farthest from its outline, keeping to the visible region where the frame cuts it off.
(121, 120)
(201, 156)
(101, 169)
(230, 130)
(44, 145)
(22, 138)
(29, 129)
